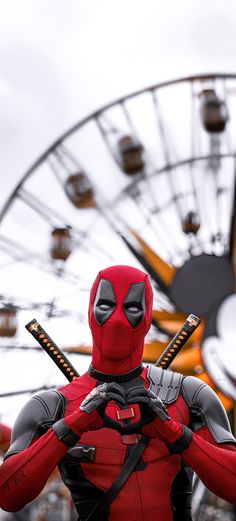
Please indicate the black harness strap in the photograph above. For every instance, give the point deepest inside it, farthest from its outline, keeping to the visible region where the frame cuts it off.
(121, 479)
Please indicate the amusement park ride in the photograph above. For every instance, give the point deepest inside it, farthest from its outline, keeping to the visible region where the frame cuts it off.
(148, 180)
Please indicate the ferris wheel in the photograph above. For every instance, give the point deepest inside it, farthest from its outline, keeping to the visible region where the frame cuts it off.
(147, 180)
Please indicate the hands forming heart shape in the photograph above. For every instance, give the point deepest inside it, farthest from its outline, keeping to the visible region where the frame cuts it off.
(150, 405)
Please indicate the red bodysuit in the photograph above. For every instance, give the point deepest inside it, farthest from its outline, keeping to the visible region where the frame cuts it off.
(90, 453)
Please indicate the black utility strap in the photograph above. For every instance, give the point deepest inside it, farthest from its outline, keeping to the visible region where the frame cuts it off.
(121, 479)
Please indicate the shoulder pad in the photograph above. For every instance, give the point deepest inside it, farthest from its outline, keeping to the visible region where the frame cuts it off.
(165, 384)
(36, 417)
(206, 409)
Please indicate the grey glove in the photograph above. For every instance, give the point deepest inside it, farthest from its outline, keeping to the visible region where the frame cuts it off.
(98, 399)
(150, 405)
(151, 408)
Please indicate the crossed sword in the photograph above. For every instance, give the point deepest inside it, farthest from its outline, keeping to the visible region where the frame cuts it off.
(64, 364)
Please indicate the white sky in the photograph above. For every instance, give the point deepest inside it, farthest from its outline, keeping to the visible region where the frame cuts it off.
(62, 59)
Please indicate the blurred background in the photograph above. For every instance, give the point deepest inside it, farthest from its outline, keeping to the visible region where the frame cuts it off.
(118, 143)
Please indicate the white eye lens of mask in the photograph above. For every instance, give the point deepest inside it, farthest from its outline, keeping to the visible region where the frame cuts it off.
(133, 309)
(105, 307)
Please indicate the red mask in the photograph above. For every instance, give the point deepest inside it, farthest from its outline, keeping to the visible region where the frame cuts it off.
(120, 314)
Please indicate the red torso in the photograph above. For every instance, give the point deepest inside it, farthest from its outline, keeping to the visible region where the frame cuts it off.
(146, 494)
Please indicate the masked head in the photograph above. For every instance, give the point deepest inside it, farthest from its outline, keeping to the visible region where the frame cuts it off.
(120, 314)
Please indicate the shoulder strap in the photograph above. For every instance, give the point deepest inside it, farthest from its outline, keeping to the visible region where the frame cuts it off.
(120, 480)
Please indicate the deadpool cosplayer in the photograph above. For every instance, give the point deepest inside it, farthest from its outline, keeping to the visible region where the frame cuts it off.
(126, 438)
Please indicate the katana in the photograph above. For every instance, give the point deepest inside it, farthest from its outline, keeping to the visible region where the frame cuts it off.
(173, 348)
(61, 360)
(52, 350)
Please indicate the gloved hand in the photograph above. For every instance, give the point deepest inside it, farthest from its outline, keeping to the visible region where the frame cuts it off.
(98, 399)
(155, 420)
(91, 413)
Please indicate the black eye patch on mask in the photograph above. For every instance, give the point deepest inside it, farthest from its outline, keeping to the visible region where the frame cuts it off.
(134, 306)
(105, 301)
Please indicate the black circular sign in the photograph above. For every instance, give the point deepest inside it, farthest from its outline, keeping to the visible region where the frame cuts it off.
(202, 282)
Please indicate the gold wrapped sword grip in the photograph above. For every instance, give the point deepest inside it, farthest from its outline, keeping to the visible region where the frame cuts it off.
(173, 348)
(51, 348)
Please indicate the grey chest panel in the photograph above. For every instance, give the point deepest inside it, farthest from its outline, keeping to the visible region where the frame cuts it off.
(165, 384)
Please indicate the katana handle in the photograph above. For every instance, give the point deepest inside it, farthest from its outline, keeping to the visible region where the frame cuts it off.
(173, 348)
(55, 353)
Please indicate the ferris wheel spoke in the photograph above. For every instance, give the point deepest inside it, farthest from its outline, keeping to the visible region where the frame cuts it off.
(41, 263)
(47, 213)
(104, 134)
(161, 128)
